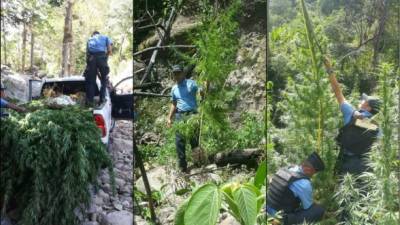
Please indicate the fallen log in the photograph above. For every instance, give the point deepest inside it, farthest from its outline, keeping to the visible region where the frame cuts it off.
(248, 157)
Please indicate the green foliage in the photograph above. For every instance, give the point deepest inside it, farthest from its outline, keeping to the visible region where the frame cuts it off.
(217, 43)
(243, 201)
(45, 20)
(301, 90)
(49, 158)
(203, 207)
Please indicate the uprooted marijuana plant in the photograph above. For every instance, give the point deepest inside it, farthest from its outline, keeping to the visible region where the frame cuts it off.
(49, 158)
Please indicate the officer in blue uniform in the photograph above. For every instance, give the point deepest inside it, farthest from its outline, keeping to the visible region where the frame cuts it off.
(354, 141)
(99, 47)
(184, 103)
(290, 191)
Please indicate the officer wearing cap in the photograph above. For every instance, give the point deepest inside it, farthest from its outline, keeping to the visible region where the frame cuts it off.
(290, 191)
(354, 140)
(184, 103)
(6, 104)
(99, 47)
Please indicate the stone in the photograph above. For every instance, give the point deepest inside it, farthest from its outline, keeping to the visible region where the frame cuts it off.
(119, 182)
(117, 206)
(118, 218)
(157, 178)
(140, 221)
(90, 223)
(229, 220)
(98, 200)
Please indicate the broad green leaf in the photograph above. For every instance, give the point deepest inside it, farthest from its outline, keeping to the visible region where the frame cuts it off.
(259, 194)
(180, 214)
(261, 175)
(233, 207)
(204, 206)
(247, 202)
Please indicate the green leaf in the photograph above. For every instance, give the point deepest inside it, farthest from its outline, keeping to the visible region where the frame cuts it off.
(204, 206)
(180, 214)
(233, 207)
(182, 191)
(247, 202)
(261, 175)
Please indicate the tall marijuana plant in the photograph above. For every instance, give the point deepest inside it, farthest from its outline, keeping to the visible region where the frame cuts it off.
(217, 42)
(309, 112)
(48, 160)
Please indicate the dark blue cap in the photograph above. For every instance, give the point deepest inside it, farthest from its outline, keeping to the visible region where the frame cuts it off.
(177, 68)
(316, 161)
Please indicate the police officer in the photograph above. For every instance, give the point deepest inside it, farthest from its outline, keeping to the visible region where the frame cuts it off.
(99, 47)
(290, 191)
(358, 133)
(6, 104)
(184, 103)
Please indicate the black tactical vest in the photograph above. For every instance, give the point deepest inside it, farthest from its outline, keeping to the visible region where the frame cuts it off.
(355, 139)
(279, 196)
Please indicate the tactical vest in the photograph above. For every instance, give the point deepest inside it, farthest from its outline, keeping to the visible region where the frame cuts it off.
(279, 196)
(355, 138)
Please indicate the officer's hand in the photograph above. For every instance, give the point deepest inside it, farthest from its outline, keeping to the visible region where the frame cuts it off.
(169, 123)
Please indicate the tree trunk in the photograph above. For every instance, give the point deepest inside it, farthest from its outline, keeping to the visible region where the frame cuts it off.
(4, 43)
(32, 46)
(248, 157)
(24, 34)
(379, 32)
(66, 63)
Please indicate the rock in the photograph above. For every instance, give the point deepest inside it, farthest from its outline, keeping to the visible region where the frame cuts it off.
(165, 215)
(150, 138)
(91, 223)
(119, 182)
(117, 206)
(126, 204)
(157, 178)
(229, 220)
(98, 200)
(140, 221)
(118, 218)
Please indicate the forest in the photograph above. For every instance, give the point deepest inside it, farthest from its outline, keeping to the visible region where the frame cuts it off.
(360, 39)
(48, 37)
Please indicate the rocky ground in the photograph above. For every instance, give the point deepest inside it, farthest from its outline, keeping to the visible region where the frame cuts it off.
(106, 208)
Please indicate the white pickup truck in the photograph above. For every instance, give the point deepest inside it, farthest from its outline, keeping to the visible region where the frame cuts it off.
(116, 106)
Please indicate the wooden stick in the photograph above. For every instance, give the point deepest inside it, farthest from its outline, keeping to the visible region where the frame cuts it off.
(163, 47)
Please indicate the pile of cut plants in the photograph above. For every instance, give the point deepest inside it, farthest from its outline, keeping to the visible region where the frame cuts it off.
(50, 158)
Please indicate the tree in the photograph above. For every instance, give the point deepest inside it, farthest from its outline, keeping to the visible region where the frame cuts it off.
(66, 63)
(24, 37)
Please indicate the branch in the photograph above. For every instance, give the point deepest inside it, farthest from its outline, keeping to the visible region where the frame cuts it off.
(138, 71)
(148, 26)
(163, 47)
